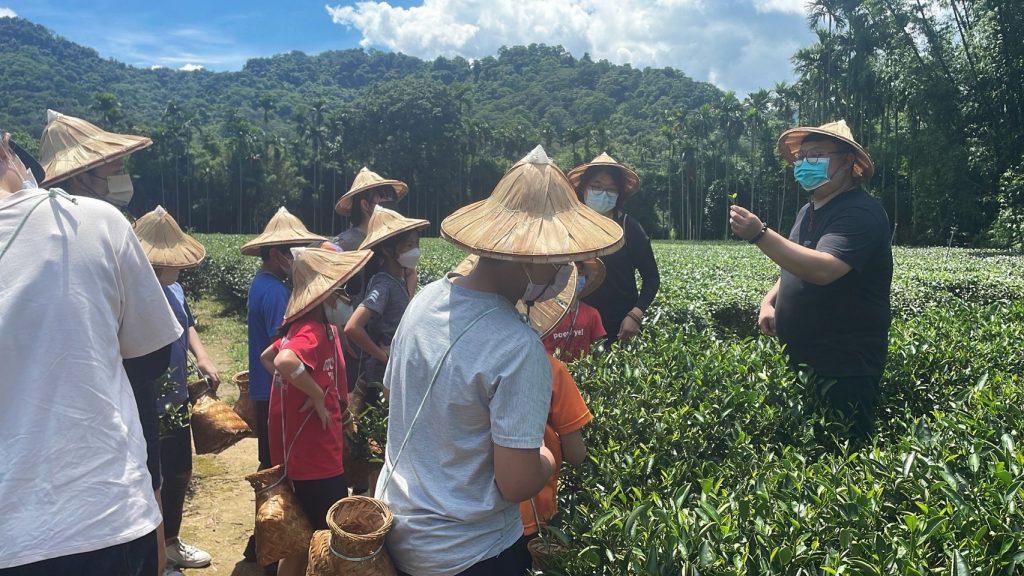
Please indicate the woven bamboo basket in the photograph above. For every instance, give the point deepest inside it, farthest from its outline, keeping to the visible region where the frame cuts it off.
(354, 545)
(282, 528)
(544, 552)
(215, 426)
(245, 406)
(197, 388)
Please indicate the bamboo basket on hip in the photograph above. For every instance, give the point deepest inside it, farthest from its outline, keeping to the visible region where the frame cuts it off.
(215, 425)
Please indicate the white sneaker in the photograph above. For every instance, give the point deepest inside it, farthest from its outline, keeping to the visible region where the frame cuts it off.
(183, 555)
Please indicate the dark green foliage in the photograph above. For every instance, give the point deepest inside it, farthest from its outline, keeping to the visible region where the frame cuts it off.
(704, 453)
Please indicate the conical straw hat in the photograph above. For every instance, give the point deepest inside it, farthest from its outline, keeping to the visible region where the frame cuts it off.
(789, 145)
(385, 223)
(70, 146)
(603, 159)
(283, 229)
(165, 244)
(532, 215)
(544, 316)
(595, 271)
(316, 273)
(365, 180)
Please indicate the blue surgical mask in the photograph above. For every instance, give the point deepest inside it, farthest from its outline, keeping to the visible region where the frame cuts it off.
(581, 281)
(811, 176)
(602, 201)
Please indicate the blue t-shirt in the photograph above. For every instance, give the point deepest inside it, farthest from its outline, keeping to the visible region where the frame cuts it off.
(268, 299)
(179, 349)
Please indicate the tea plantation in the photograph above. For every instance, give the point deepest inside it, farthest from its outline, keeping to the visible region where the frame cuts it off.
(706, 454)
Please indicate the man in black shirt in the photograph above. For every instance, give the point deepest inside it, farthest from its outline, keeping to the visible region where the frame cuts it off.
(830, 306)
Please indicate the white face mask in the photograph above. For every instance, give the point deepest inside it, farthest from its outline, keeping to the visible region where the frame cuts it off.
(119, 189)
(602, 201)
(541, 292)
(339, 313)
(409, 258)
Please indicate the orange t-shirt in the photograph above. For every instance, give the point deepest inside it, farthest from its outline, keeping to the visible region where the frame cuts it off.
(568, 414)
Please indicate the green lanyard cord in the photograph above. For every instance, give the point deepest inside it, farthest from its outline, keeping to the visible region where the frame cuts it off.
(51, 195)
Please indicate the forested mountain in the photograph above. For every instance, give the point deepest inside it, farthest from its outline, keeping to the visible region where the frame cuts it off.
(935, 95)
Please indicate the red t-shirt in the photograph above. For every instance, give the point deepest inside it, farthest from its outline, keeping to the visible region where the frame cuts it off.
(577, 331)
(316, 453)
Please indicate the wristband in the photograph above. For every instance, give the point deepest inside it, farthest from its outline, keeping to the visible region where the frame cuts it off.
(636, 319)
(297, 372)
(764, 230)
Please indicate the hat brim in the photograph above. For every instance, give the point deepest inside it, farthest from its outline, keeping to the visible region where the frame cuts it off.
(141, 144)
(790, 141)
(565, 237)
(319, 297)
(415, 225)
(344, 204)
(29, 161)
(253, 248)
(632, 179)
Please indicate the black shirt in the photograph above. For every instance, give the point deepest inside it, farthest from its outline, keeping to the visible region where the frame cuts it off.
(841, 329)
(618, 294)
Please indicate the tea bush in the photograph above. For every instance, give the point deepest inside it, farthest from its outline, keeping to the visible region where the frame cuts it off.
(707, 455)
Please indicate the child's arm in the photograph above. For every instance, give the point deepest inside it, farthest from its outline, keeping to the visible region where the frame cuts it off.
(206, 365)
(267, 359)
(355, 330)
(293, 370)
(574, 448)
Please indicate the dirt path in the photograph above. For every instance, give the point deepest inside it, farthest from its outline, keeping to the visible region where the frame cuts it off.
(219, 510)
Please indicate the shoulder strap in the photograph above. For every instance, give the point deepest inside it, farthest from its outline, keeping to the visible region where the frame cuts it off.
(426, 394)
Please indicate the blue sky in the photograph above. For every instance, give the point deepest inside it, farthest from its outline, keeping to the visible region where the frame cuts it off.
(737, 44)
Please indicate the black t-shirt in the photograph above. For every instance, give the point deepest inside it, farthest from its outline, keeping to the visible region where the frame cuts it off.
(618, 294)
(841, 329)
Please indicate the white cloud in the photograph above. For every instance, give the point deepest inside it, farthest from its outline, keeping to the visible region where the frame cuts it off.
(191, 67)
(798, 7)
(156, 67)
(740, 45)
(7, 13)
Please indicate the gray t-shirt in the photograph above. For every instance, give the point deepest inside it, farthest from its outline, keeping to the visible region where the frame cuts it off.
(350, 239)
(494, 388)
(387, 298)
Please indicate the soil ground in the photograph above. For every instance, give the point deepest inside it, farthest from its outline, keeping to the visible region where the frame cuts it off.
(219, 510)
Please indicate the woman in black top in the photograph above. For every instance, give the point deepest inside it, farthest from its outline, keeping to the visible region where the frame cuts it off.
(604, 185)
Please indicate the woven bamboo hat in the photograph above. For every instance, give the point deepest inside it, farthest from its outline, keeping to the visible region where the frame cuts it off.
(606, 161)
(544, 316)
(789, 145)
(283, 229)
(165, 244)
(316, 273)
(594, 271)
(532, 215)
(365, 180)
(70, 146)
(385, 223)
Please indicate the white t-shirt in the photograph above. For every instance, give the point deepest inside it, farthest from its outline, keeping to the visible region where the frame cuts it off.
(494, 388)
(77, 295)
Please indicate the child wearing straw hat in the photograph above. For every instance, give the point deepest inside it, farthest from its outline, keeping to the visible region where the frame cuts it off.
(470, 388)
(265, 306)
(309, 389)
(581, 327)
(395, 243)
(568, 413)
(170, 251)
